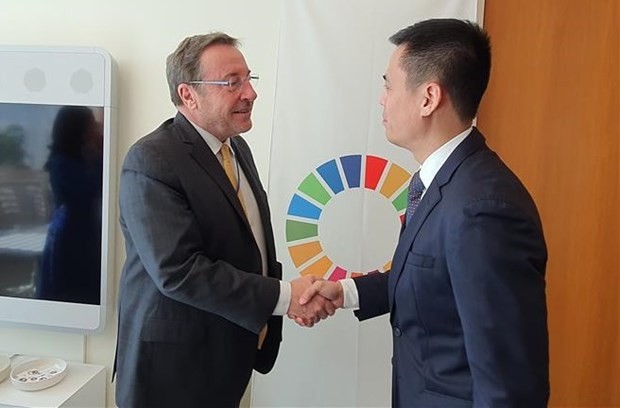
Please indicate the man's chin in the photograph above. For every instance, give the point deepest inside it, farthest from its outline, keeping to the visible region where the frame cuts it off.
(245, 127)
(393, 139)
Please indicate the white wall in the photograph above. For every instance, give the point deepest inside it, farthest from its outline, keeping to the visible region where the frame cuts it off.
(139, 34)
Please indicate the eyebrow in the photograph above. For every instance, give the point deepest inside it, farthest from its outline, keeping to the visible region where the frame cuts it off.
(235, 74)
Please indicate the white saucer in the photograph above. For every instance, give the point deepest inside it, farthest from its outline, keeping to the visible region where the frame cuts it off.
(5, 367)
(38, 373)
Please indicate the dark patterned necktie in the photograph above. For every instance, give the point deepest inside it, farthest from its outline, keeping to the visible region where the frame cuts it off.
(416, 188)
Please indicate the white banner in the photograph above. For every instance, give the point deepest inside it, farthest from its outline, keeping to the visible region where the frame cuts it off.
(337, 188)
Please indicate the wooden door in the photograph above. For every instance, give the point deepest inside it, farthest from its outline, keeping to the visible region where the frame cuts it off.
(552, 113)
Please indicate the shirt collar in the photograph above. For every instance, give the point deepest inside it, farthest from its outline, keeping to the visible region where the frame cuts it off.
(432, 164)
(213, 142)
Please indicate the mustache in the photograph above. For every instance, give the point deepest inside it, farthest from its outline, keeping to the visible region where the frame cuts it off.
(246, 106)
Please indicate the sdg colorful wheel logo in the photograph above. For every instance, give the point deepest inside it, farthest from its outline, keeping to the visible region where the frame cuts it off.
(344, 218)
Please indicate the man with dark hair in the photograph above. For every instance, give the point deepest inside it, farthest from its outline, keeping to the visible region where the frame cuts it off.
(200, 295)
(466, 292)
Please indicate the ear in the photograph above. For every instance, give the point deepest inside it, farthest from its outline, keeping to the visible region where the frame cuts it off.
(187, 95)
(433, 95)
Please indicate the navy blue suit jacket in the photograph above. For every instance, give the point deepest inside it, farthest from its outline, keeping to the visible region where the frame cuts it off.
(466, 291)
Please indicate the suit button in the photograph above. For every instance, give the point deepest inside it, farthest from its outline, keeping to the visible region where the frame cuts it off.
(397, 332)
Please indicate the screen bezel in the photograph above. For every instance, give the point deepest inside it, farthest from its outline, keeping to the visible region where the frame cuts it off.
(56, 315)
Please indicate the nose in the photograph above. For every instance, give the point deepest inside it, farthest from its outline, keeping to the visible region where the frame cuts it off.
(382, 98)
(248, 91)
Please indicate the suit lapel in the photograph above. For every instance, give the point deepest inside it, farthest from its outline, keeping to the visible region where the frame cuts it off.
(203, 155)
(249, 169)
(429, 201)
(471, 144)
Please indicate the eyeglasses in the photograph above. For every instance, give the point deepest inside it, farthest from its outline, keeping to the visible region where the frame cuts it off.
(234, 84)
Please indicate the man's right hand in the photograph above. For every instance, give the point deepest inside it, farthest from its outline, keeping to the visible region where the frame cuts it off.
(312, 310)
(321, 289)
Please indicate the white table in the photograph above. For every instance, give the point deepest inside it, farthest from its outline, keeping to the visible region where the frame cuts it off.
(83, 386)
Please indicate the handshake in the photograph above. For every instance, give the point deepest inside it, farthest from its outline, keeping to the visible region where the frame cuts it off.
(314, 299)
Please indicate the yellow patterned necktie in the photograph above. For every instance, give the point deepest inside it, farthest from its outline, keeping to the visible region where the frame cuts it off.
(229, 169)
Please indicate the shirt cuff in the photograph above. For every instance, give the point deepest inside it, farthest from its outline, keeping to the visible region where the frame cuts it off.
(351, 297)
(284, 300)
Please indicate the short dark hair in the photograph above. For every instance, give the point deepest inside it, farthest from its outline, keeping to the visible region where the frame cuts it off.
(456, 53)
(183, 65)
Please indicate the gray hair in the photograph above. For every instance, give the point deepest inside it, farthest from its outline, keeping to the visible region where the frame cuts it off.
(183, 65)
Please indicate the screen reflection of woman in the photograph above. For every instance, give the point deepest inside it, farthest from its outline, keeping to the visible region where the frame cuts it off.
(71, 263)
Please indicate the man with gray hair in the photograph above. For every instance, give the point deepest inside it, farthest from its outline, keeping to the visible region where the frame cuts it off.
(201, 298)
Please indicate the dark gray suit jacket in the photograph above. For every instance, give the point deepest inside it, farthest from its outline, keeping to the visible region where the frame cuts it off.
(192, 297)
(466, 291)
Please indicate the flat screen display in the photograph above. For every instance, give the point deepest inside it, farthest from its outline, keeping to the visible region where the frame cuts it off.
(51, 175)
